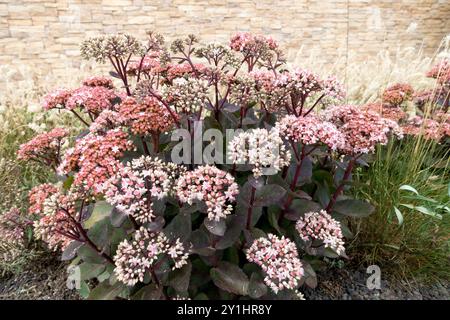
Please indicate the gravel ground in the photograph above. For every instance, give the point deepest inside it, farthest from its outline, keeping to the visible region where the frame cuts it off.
(46, 280)
(340, 284)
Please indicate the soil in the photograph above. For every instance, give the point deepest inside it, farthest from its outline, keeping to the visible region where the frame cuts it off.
(46, 280)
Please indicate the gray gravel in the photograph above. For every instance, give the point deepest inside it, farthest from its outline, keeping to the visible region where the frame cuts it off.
(340, 284)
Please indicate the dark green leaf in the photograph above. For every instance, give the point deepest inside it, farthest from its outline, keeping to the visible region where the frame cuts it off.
(215, 227)
(354, 208)
(71, 250)
(179, 278)
(230, 278)
(256, 287)
(105, 291)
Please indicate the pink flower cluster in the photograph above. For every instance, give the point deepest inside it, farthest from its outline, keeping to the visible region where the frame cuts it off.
(311, 130)
(107, 120)
(149, 64)
(321, 226)
(441, 72)
(45, 147)
(98, 81)
(12, 227)
(429, 128)
(362, 129)
(397, 94)
(394, 113)
(56, 99)
(211, 185)
(55, 225)
(184, 70)
(93, 99)
(146, 117)
(95, 158)
(279, 260)
(133, 188)
(252, 45)
(37, 196)
(134, 259)
(333, 88)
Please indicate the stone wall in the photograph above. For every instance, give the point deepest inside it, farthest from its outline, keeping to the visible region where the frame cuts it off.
(46, 34)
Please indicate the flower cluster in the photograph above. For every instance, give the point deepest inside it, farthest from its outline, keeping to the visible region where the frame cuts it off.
(98, 81)
(217, 52)
(321, 226)
(12, 227)
(106, 120)
(211, 185)
(186, 95)
(184, 70)
(441, 72)
(394, 113)
(252, 45)
(362, 129)
(429, 128)
(55, 224)
(145, 117)
(37, 196)
(261, 148)
(278, 257)
(397, 94)
(56, 99)
(104, 47)
(135, 258)
(333, 88)
(133, 188)
(45, 147)
(311, 130)
(148, 64)
(95, 158)
(92, 99)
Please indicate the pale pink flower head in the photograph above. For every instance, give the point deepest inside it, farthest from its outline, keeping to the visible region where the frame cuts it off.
(333, 88)
(106, 120)
(321, 227)
(92, 99)
(263, 149)
(45, 147)
(214, 187)
(135, 187)
(145, 117)
(134, 258)
(55, 226)
(397, 94)
(278, 258)
(98, 81)
(362, 129)
(310, 130)
(56, 99)
(37, 196)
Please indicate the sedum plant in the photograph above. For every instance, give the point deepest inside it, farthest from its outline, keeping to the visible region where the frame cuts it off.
(138, 223)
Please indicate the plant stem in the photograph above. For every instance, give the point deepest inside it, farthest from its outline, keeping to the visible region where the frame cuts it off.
(250, 209)
(341, 186)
